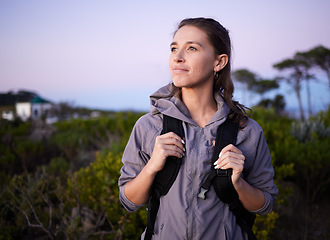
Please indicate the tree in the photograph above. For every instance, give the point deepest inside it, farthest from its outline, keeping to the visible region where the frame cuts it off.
(298, 70)
(319, 57)
(246, 77)
(278, 103)
(262, 86)
(256, 84)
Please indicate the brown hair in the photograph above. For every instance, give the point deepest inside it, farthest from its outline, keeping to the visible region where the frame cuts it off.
(220, 40)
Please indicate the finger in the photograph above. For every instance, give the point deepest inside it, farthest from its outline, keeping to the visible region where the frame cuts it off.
(174, 153)
(171, 135)
(173, 147)
(231, 148)
(226, 165)
(229, 155)
(235, 164)
(172, 138)
(230, 151)
(163, 151)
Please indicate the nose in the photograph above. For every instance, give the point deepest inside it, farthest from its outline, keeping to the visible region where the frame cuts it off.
(179, 57)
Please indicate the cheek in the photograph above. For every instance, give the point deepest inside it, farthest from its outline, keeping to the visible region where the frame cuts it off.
(204, 67)
(170, 62)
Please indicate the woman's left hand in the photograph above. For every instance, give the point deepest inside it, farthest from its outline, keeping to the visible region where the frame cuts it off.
(231, 157)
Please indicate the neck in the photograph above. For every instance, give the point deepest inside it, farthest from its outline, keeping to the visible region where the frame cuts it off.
(200, 103)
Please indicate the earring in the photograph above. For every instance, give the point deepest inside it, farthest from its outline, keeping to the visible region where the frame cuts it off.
(216, 75)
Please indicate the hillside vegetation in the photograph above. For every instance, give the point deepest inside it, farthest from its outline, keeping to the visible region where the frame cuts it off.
(63, 185)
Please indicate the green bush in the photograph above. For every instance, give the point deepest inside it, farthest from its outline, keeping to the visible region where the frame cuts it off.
(95, 188)
(80, 137)
(30, 202)
(85, 207)
(59, 201)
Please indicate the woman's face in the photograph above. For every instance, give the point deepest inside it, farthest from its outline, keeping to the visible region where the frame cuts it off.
(192, 59)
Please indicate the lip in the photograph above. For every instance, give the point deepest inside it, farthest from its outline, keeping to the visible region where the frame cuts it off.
(179, 70)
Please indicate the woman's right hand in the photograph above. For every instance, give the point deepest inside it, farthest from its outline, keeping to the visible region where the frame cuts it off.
(168, 144)
(138, 189)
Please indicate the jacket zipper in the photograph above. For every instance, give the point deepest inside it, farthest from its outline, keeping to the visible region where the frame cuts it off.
(193, 175)
(191, 215)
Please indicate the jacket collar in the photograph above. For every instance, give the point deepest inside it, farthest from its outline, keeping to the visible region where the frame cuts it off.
(165, 102)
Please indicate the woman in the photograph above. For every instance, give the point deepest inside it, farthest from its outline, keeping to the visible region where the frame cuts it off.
(201, 97)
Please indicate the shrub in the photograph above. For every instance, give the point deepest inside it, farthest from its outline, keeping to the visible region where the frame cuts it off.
(95, 188)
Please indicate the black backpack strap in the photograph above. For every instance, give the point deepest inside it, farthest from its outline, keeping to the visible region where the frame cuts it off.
(226, 134)
(224, 188)
(221, 179)
(165, 178)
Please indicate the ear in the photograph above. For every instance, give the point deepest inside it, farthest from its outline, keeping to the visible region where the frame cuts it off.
(221, 62)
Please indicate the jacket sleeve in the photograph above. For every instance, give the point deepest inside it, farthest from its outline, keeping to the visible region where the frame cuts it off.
(260, 172)
(136, 155)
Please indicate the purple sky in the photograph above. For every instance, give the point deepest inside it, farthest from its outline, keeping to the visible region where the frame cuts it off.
(114, 54)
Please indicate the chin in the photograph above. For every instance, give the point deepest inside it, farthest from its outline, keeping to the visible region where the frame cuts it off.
(180, 82)
(177, 84)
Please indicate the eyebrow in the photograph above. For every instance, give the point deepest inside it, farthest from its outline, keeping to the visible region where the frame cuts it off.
(189, 42)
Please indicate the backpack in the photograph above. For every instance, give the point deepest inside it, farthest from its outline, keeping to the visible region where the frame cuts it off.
(219, 178)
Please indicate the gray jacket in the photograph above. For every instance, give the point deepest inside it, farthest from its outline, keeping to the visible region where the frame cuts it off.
(182, 215)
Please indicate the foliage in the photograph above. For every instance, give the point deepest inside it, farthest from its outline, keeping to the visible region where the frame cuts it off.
(278, 103)
(58, 201)
(30, 202)
(10, 98)
(246, 77)
(262, 86)
(55, 202)
(87, 207)
(264, 225)
(309, 130)
(318, 57)
(254, 82)
(275, 129)
(312, 140)
(301, 67)
(95, 188)
(96, 133)
(20, 152)
(297, 70)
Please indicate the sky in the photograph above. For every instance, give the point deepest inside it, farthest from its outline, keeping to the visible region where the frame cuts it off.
(113, 55)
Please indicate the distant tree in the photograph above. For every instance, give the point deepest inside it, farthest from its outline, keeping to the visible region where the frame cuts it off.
(10, 98)
(318, 57)
(246, 77)
(254, 83)
(66, 109)
(279, 103)
(298, 70)
(262, 86)
(265, 103)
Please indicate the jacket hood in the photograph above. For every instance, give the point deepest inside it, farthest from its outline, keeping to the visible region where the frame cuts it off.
(165, 101)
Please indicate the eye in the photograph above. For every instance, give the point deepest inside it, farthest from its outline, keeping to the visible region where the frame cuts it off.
(173, 49)
(191, 48)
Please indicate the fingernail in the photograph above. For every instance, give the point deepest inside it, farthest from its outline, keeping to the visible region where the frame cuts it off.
(184, 149)
(216, 167)
(216, 162)
(183, 142)
(220, 154)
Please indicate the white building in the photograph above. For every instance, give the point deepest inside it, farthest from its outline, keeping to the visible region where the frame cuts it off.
(37, 109)
(8, 114)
